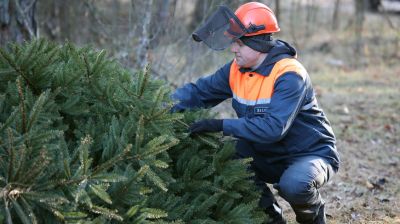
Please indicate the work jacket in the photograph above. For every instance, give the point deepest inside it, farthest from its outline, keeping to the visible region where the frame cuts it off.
(278, 114)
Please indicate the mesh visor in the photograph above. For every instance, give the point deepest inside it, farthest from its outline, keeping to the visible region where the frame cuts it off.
(220, 29)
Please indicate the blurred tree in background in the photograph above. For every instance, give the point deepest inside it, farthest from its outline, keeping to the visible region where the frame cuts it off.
(17, 21)
(159, 31)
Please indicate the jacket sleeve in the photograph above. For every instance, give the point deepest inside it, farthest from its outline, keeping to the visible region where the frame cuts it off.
(287, 99)
(206, 92)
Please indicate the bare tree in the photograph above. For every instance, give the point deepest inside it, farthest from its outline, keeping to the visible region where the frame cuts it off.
(359, 22)
(142, 50)
(17, 20)
(335, 19)
(277, 10)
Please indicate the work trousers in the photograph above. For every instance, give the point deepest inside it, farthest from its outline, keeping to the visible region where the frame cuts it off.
(297, 180)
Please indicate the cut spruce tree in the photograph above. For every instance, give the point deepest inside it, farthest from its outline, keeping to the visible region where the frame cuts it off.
(82, 140)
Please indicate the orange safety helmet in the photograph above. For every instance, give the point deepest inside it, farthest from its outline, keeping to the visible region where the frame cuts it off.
(254, 15)
(224, 26)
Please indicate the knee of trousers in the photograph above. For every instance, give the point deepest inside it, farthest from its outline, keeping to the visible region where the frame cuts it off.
(298, 192)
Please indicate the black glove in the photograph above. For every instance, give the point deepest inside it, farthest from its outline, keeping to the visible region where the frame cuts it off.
(206, 125)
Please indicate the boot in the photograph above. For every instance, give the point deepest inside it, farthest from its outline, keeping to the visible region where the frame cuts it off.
(274, 213)
(321, 217)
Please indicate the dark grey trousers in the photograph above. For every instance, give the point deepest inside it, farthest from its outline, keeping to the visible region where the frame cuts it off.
(296, 179)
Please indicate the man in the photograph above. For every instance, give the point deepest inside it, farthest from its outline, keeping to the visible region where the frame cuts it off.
(279, 124)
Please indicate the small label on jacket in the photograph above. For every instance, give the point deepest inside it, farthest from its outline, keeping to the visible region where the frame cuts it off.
(260, 110)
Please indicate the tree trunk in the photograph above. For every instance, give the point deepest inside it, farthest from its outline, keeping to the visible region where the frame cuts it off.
(201, 8)
(277, 10)
(359, 22)
(143, 48)
(160, 23)
(335, 18)
(17, 21)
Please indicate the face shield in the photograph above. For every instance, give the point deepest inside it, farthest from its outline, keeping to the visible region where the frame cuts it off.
(220, 29)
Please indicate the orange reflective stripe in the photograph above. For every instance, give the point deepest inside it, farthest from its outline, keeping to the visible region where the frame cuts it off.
(251, 88)
(289, 65)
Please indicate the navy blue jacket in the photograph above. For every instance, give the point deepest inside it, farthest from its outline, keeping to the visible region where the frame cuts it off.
(288, 124)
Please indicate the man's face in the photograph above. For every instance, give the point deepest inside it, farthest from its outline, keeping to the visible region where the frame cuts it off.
(244, 55)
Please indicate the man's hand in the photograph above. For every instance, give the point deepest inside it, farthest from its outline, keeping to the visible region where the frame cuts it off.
(206, 125)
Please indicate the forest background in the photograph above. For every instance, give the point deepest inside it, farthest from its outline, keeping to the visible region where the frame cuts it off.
(349, 47)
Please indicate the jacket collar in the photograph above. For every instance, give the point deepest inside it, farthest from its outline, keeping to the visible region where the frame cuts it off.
(280, 51)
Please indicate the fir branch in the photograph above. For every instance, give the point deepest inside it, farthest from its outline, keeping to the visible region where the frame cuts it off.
(139, 134)
(154, 147)
(21, 213)
(99, 62)
(11, 155)
(87, 67)
(101, 193)
(132, 211)
(153, 213)
(21, 106)
(29, 210)
(158, 96)
(160, 164)
(26, 58)
(209, 141)
(47, 54)
(46, 198)
(66, 159)
(123, 188)
(183, 123)
(208, 203)
(39, 165)
(9, 120)
(143, 170)
(163, 111)
(128, 92)
(8, 213)
(153, 177)
(11, 62)
(36, 139)
(111, 162)
(84, 154)
(74, 215)
(36, 109)
(108, 178)
(142, 80)
(81, 196)
(6, 71)
(106, 212)
(205, 172)
(57, 214)
(21, 162)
